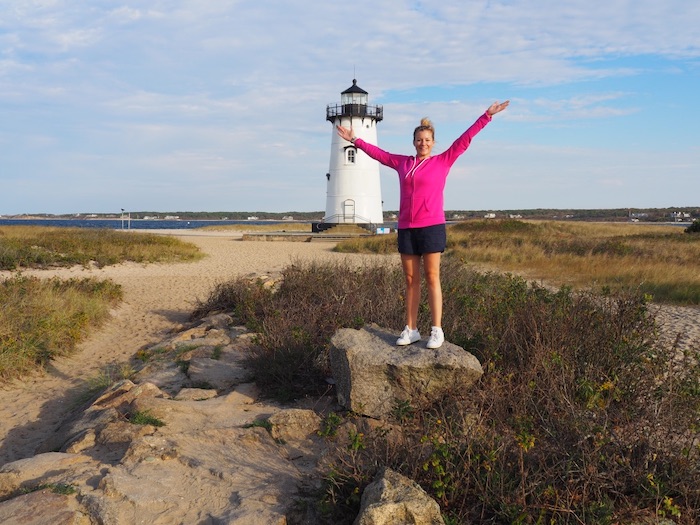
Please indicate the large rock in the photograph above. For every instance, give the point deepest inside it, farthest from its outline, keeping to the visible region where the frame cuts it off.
(392, 499)
(25, 475)
(373, 375)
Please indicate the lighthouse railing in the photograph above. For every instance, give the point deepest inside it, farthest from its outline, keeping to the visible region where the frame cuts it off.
(334, 111)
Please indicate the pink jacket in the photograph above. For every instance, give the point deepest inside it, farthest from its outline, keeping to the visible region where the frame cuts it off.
(423, 182)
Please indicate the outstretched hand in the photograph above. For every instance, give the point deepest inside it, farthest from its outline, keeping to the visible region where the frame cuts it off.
(497, 107)
(345, 133)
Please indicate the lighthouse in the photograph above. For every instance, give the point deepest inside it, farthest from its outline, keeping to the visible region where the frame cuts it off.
(353, 188)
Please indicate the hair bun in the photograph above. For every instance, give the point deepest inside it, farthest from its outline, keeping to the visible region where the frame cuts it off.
(425, 125)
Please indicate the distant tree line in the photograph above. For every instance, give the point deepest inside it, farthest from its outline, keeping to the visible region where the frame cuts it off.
(616, 214)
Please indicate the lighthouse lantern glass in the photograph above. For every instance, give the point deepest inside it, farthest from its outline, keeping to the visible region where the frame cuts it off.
(353, 98)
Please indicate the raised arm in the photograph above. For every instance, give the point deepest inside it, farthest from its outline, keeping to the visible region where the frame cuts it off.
(345, 133)
(497, 107)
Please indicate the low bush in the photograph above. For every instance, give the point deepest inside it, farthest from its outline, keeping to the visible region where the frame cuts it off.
(296, 322)
(579, 418)
(581, 415)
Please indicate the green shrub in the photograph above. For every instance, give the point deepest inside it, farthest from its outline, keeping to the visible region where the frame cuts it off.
(577, 411)
(694, 227)
(145, 418)
(260, 423)
(580, 417)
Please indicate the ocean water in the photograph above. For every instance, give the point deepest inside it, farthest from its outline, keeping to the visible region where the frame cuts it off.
(133, 224)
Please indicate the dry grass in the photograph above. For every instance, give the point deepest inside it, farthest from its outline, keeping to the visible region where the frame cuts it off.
(272, 227)
(42, 319)
(662, 261)
(41, 247)
(374, 244)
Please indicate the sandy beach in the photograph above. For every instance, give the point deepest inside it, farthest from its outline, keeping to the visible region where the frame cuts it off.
(158, 297)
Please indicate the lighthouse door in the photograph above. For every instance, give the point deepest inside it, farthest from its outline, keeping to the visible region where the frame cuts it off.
(349, 210)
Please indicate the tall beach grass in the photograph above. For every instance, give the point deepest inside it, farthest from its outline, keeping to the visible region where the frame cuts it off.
(42, 247)
(41, 319)
(273, 227)
(662, 261)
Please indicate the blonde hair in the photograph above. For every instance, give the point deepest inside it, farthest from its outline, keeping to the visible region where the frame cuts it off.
(425, 125)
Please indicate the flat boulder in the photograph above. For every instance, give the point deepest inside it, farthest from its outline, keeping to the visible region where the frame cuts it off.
(374, 377)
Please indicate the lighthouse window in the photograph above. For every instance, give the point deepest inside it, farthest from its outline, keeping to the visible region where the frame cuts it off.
(351, 155)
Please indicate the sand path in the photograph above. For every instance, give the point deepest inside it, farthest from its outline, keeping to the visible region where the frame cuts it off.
(156, 298)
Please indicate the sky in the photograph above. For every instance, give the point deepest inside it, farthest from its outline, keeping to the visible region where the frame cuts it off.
(219, 105)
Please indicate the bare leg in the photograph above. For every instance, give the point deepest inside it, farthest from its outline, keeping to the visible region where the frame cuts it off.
(431, 267)
(411, 272)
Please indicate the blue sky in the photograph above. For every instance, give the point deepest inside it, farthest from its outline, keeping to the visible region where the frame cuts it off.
(215, 105)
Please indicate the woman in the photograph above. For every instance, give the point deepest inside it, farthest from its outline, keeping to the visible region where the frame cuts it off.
(421, 224)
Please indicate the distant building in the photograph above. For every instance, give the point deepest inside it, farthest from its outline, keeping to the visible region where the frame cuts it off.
(680, 216)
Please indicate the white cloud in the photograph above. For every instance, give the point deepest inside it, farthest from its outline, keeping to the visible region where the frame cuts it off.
(238, 89)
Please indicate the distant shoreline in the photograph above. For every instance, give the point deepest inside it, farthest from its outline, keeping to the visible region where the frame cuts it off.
(669, 214)
(137, 224)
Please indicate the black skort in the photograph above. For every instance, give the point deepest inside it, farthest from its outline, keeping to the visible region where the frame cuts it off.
(417, 241)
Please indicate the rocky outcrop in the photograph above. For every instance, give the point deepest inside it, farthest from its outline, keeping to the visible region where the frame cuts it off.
(373, 376)
(180, 443)
(187, 439)
(393, 499)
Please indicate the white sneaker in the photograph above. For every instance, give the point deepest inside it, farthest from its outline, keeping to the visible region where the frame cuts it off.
(437, 337)
(408, 336)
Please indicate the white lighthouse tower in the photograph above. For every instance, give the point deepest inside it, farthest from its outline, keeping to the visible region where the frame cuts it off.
(354, 192)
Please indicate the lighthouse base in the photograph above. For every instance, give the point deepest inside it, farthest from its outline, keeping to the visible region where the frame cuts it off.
(338, 227)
